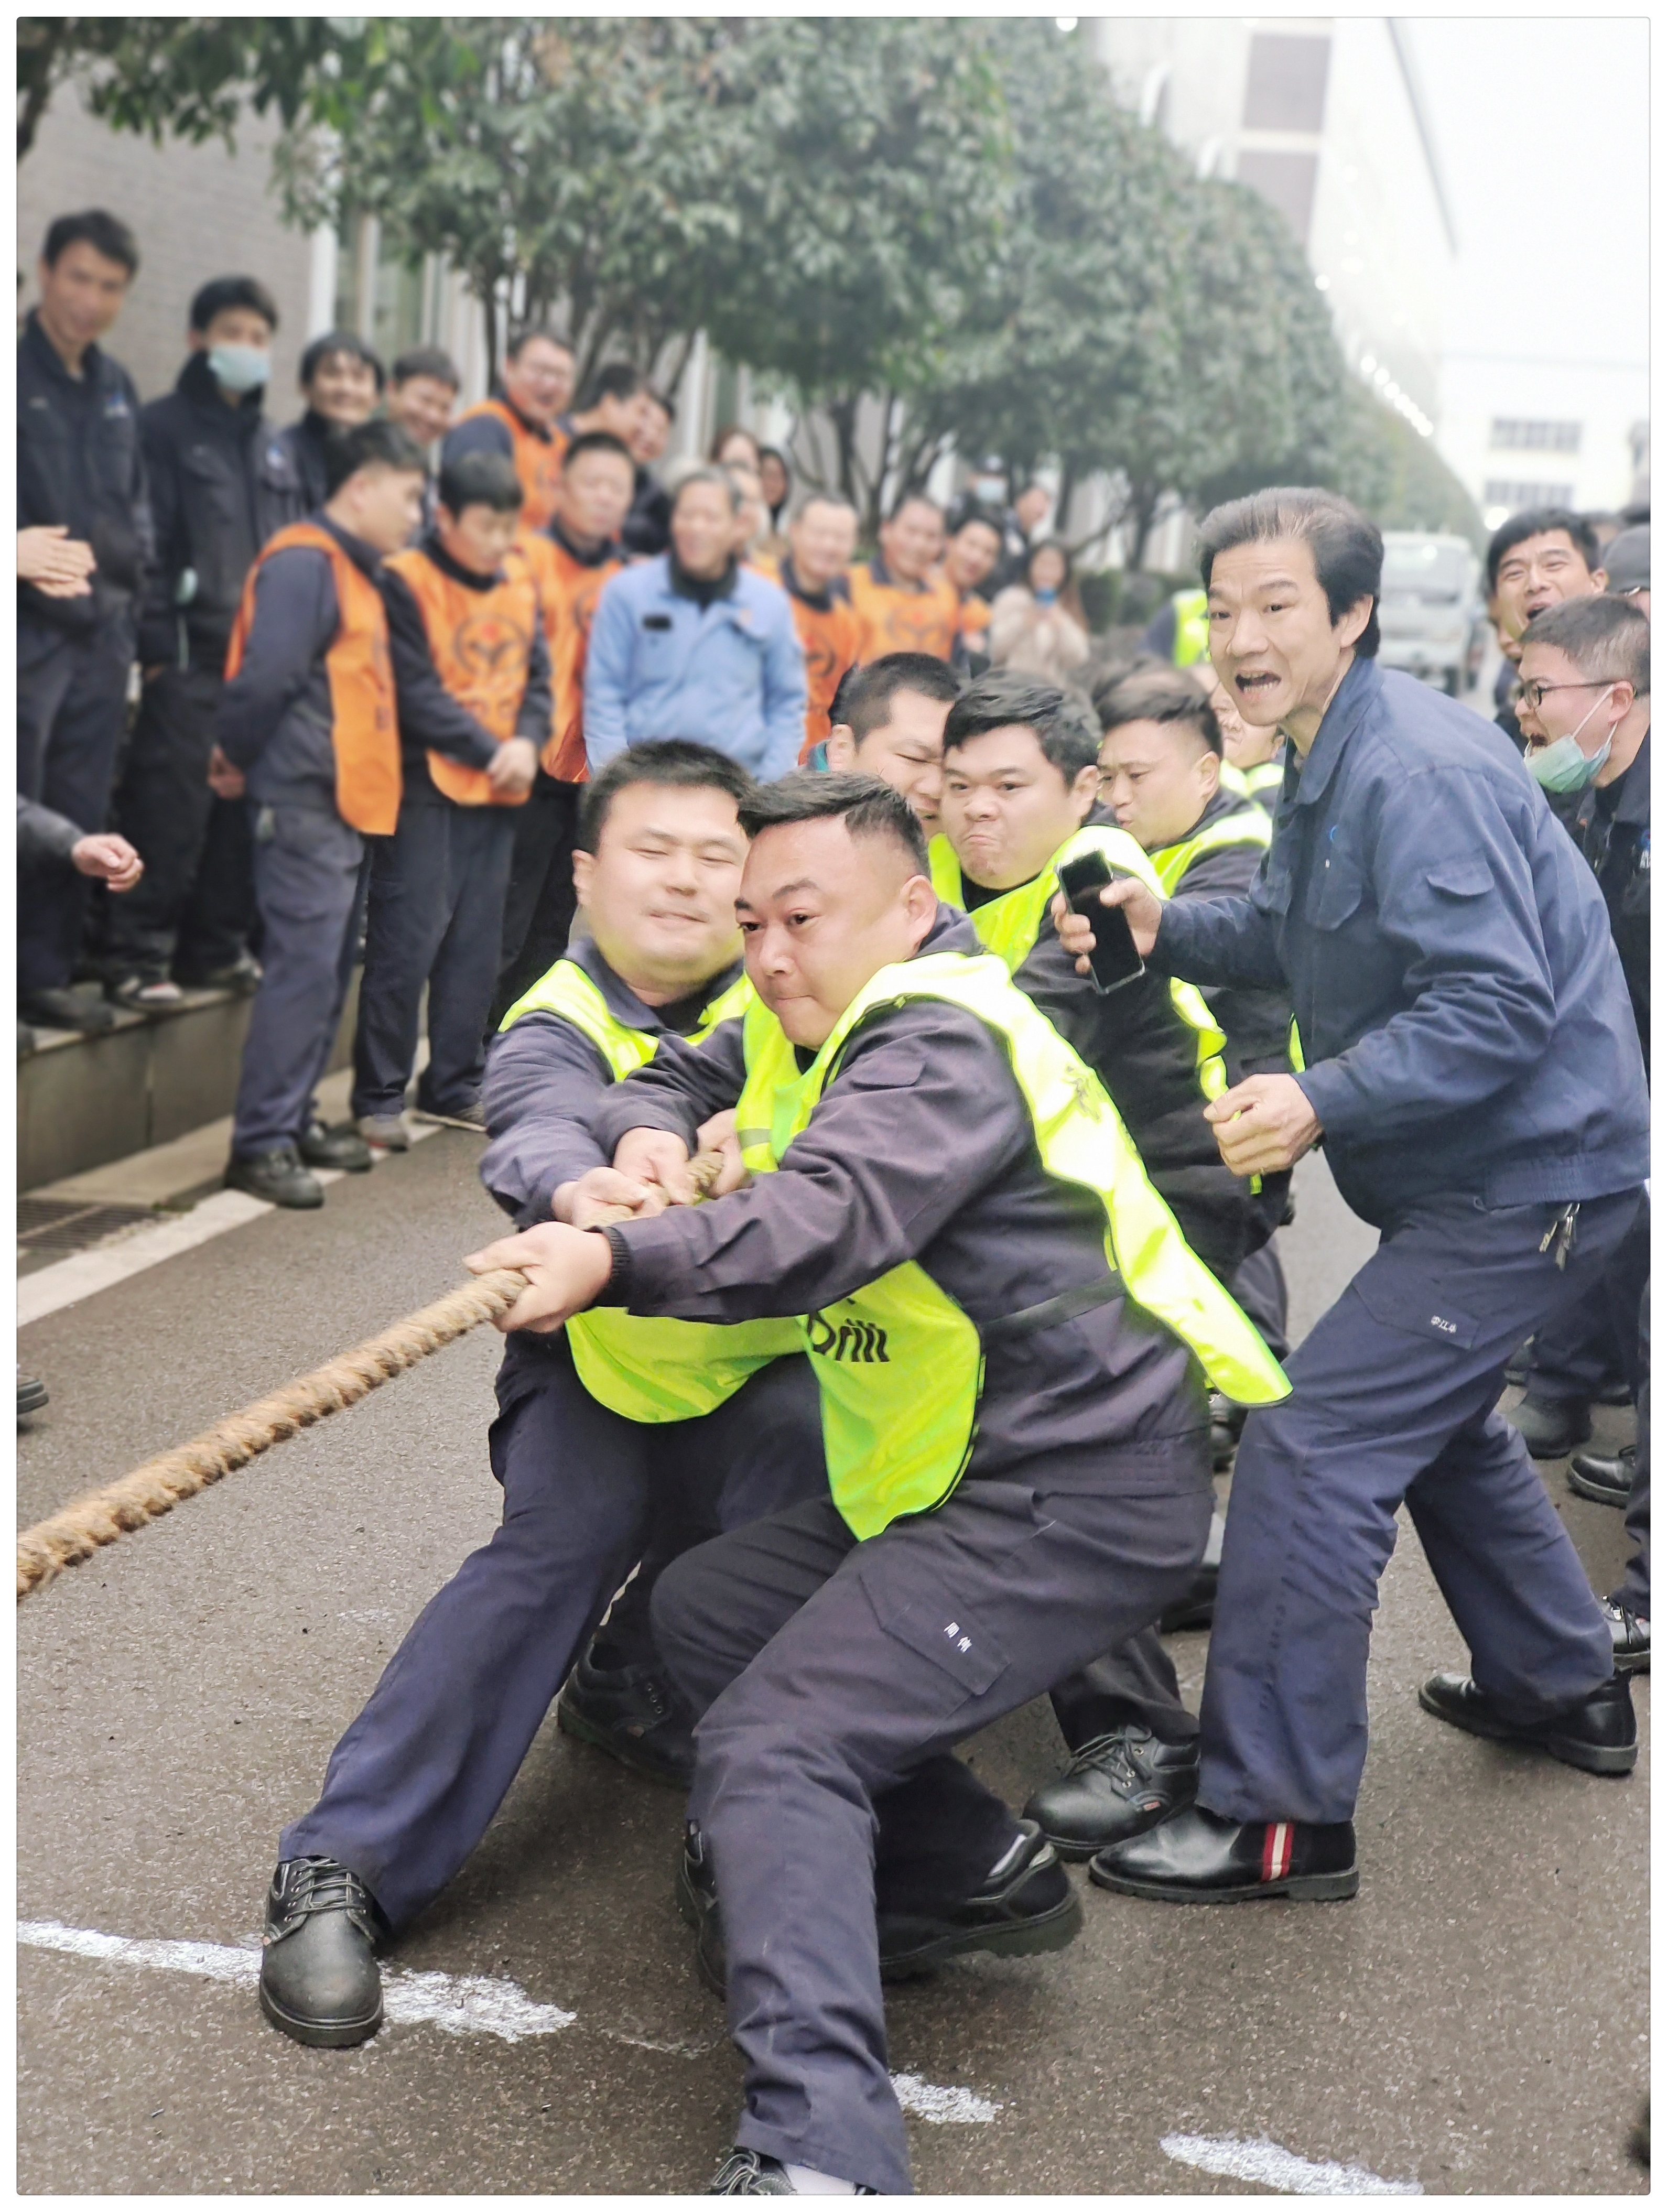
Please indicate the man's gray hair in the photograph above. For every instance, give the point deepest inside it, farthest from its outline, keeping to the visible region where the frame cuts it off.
(682, 474)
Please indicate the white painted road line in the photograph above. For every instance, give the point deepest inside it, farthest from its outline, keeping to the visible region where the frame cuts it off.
(67, 1282)
(1282, 2170)
(457, 2004)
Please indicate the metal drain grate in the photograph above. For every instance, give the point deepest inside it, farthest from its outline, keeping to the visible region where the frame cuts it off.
(47, 1227)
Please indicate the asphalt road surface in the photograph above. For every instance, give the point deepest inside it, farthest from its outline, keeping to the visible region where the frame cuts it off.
(1474, 2022)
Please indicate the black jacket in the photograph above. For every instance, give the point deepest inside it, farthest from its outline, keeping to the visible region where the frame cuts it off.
(1612, 828)
(220, 484)
(304, 443)
(922, 1148)
(79, 462)
(648, 527)
(430, 719)
(1256, 1023)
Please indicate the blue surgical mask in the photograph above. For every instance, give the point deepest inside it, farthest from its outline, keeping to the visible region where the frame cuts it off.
(1045, 595)
(239, 367)
(1561, 767)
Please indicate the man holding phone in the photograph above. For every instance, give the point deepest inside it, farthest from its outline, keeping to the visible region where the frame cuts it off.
(1475, 1074)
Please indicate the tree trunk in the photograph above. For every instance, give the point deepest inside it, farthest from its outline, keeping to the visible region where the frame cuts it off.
(38, 50)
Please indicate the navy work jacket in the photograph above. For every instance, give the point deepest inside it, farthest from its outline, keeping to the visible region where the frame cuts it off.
(1448, 957)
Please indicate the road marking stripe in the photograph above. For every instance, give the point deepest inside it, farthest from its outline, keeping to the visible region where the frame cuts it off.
(457, 2004)
(1274, 2167)
(67, 1282)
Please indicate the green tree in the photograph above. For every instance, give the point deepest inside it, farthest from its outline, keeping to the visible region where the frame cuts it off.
(189, 75)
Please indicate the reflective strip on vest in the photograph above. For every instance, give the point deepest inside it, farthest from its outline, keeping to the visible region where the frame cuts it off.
(641, 1366)
(899, 1363)
(481, 644)
(1266, 775)
(1234, 780)
(1009, 924)
(1249, 826)
(364, 730)
(1192, 628)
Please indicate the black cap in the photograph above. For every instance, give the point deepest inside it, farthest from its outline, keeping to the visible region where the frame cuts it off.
(1626, 559)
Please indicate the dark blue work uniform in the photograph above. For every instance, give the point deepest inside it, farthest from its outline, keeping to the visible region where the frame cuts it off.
(1474, 1061)
(220, 487)
(274, 721)
(438, 885)
(415, 1781)
(78, 464)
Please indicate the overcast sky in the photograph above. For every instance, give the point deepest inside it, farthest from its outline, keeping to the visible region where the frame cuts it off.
(1543, 132)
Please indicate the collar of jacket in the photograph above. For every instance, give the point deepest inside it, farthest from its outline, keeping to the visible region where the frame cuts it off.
(46, 356)
(707, 590)
(951, 930)
(198, 382)
(822, 600)
(1632, 807)
(605, 550)
(364, 557)
(471, 579)
(1358, 692)
(532, 430)
(882, 574)
(623, 1003)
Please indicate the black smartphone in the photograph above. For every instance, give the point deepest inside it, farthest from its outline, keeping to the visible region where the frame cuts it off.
(1114, 961)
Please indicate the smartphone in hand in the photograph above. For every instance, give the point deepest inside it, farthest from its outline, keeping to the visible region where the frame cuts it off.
(1114, 960)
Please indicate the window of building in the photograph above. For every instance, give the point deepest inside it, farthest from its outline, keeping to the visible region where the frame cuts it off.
(1522, 437)
(1286, 180)
(1284, 84)
(1498, 491)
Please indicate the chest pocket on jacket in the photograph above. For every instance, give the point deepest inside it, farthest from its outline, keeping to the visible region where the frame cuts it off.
(1338, 886)
(1460, 879)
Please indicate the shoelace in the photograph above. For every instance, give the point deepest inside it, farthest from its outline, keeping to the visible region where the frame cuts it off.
(1109, 1751)
(327, 1888)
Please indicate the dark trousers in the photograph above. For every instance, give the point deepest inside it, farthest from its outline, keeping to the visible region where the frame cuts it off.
(71, 709)
(1258, 1284)
(834, 1678)
(191, 910)
(1394, 1398)
(436, 908)
(413, 1784)
(308, 866)
(538, 913)
(1581, 1353)
(1634, 1590)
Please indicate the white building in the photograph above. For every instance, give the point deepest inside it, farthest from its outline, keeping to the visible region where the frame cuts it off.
(1326, 119)
(1528, 430)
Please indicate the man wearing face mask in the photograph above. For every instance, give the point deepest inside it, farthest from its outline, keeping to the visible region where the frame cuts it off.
(220, 484)
(1585, 710)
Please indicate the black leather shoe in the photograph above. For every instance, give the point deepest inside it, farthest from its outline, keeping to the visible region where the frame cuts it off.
(322, 1147)
(1199, 1858)
(1028, 1905)
(1552, 1427)
(1599, 1734)
(629, 1713)
(278, 1176)
(1630, 1638)
(65, 1010)
(1117, 1786)
(1605, 1477)
(469, 1115)
(1618, 1392)
(320, 1981)
(243, 976)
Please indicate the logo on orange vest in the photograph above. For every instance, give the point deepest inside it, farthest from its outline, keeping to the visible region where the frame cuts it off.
(855, 1342)
(489, 646)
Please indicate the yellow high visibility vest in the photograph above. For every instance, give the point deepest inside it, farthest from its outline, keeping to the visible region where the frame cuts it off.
(1009, 924)
(641, 1365)
(1250, 826)
(1192, 628)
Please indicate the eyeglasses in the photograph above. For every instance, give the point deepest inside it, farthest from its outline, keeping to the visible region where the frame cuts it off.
(1533, 694)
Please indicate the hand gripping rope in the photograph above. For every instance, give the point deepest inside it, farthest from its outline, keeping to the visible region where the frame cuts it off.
(159, 1485)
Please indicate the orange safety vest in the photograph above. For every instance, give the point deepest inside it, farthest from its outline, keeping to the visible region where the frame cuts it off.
(829, 636)
(363, 724)
(482, 644)
(568, 591)
(538, 459)
(903, 617)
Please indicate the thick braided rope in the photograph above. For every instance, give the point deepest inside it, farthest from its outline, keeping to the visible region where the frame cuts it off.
(159, 1485)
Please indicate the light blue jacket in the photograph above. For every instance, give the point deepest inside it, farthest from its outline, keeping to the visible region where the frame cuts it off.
(659, 665)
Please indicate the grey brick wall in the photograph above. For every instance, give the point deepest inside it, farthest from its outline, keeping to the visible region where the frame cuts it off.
(196, 212)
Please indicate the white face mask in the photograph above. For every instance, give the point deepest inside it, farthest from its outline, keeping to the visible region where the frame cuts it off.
(1561, 766)
(241, 368)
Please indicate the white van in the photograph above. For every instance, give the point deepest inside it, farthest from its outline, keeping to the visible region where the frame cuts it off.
(1430, 608)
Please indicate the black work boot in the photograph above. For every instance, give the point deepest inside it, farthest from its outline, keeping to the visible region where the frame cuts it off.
(631, 1714)
(324, 1147)
(1117, 1785)
(1551, 1427)
(1598, 1732)
(278, 1176)
(755, 2173)
(1629, 1637)
(320, 1981)
(1200, 1858)
(1605, 1477)
(1026, 1905)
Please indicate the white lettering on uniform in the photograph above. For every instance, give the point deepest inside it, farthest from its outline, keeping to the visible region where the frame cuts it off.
(1450, 1327)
